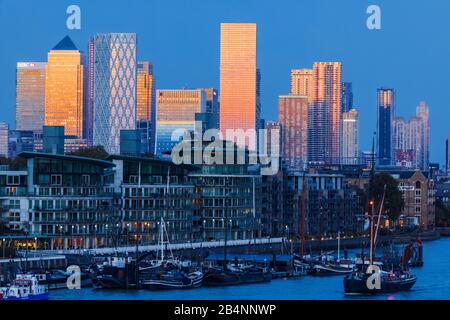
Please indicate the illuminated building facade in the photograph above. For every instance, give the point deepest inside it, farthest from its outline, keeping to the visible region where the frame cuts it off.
(114, 88)
(64, 88)
(302, 83)
(350, 137)
(30, 96)
(238, 81)
(176, 110)
(385, 115)
(293, 119)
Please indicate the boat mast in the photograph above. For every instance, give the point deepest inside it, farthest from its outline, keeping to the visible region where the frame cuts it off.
(302, 222)
(371, 203)
(339, 246)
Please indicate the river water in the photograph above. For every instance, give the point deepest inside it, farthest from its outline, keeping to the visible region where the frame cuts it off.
(433, 282)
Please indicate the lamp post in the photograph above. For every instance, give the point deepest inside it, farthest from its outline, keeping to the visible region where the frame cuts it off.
(4, 247)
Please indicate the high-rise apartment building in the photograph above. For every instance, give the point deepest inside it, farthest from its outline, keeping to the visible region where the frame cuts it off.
(238, 81)
(64, 88)
(114, 80)
(350, 137)
(423, 114)
(176, 111)
(302, 83)
(293, 119)
(30, 96)
(411, 139)
(346, 97)
(385, 115)
(325, 114)
(145, 91)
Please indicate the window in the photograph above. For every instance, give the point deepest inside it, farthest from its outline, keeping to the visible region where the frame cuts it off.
(56, 179)
(134, 179)
(13, 181)
(85, 179)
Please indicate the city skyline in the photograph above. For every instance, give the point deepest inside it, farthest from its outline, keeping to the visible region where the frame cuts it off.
(153, 45)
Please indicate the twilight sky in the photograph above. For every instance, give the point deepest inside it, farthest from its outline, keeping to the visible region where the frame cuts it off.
(411, 52)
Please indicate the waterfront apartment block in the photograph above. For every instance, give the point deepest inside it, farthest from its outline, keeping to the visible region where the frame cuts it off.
(151, 189)
(70, 205)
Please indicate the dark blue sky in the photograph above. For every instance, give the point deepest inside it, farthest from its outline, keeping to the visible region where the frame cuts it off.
(411, 53)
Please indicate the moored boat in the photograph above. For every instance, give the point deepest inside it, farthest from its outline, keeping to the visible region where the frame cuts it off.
(25, 287)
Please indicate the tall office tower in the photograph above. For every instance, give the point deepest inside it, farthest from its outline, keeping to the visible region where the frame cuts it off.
(114, 88)
(238, 77)
(30, 96)
(350, 137)
(302, 83)
(325, 113)
(146, 103)
(145, 91)
(4, 140)
(346, 97)
(423, 113)
(385, 114)
(293, 119)
(64, 88)
(175, 114)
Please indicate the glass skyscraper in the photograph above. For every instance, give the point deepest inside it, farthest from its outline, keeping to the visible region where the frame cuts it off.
(114, 81)
(176, 110)
(385, 115)
(238, 80)
(30, 95)
(64, 88)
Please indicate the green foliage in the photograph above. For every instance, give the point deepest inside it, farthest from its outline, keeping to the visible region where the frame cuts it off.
(442, 214)
(97, 152)
(394, 202)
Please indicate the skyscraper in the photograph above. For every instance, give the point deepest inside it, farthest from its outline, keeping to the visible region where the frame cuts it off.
(423, 114)
(176, 110)
(238, 77)
(145, 91)
(346, 97)
(411, 139)
(350, 137)
(114, 88)
(4, 140)
(293, 119)
(385, 115)
(212, 105)
(64, 88)
(30, 95)
(325, 114)
(302, 83)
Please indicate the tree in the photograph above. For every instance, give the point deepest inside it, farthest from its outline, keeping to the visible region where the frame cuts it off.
(394, 202)
(442, 214)
(97, 152)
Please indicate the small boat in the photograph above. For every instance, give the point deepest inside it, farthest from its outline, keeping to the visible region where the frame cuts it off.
(330, 269)
(370, 279)
(57, 279)
(25, 287)
(173, 279)
(232, 275)
(390, 282)
(117, 273)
